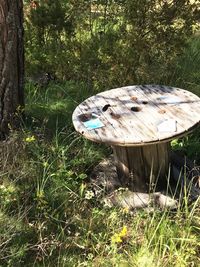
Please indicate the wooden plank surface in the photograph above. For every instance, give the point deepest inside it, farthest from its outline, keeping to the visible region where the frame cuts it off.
(143, 168)
(131, 114)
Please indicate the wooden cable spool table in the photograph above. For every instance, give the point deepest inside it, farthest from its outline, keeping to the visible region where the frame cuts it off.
(139, 122)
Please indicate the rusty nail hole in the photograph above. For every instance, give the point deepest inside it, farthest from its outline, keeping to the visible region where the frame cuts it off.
(105, 107)
(145, 102)
(134, 98)
(114, 116)
(136, 109)
(162, 111)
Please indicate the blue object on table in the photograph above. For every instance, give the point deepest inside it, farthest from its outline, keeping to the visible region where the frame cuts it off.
(93, 124)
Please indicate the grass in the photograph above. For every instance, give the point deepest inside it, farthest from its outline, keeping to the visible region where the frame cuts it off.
(187, 72)
(46, 218)
(187, 75)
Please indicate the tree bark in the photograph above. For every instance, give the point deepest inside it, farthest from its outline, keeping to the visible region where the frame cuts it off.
(11, 63)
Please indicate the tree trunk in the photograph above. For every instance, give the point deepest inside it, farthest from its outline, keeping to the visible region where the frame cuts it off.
(11, 63)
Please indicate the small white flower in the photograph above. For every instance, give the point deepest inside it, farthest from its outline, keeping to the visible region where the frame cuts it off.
(89, 194)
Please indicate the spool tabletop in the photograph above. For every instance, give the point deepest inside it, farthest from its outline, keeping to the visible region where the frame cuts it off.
(138, 115)
(139, 122)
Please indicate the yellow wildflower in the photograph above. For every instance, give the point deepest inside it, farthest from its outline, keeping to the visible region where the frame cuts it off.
(125, 210)
(118, 237)
(30, 139)
(123, 232)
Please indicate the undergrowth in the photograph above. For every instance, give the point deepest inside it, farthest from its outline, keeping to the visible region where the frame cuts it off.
(46, 216)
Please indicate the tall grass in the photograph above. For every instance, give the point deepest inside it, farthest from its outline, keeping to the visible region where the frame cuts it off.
(187, 67)
(46, 218)
(186, 74)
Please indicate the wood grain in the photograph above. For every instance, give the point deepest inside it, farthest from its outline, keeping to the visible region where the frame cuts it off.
(134, 113)
(143, 168)
(131, 116)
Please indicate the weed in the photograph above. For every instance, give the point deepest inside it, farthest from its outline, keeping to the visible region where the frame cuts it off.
(49, 216)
